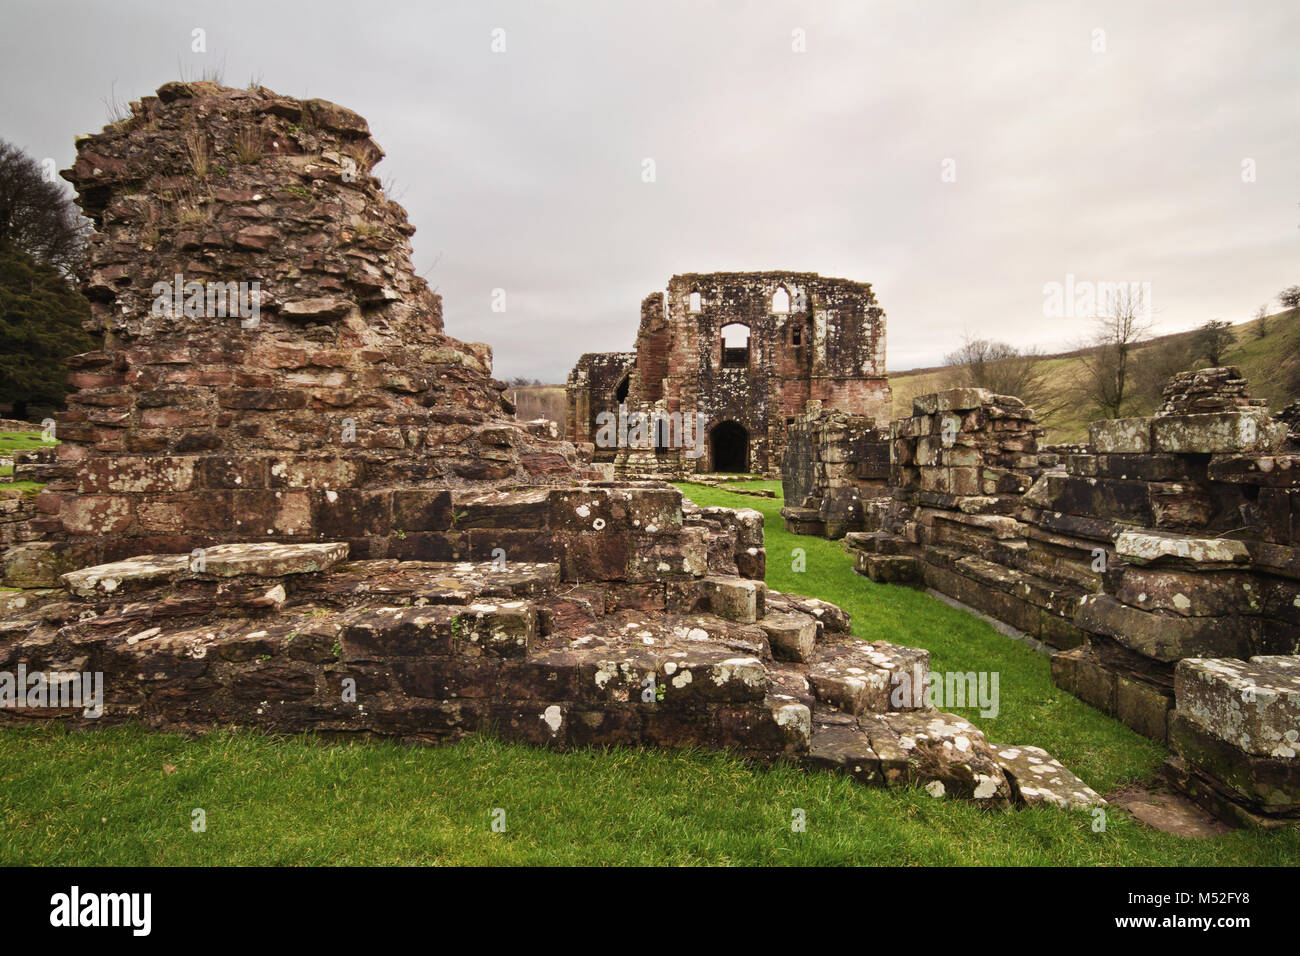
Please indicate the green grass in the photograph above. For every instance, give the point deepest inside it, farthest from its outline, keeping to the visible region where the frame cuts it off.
(26, 487)
(20, 441)
(104, 798)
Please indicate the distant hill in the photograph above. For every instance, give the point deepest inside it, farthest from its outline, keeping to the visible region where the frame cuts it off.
(1269, 363)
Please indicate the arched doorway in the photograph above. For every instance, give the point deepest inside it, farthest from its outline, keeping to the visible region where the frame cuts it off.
(729, 447)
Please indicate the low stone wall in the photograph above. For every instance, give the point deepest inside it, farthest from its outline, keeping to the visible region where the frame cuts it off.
(295, 638)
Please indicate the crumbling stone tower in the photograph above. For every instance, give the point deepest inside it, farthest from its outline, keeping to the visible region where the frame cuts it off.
(747, 351)
(272, 366)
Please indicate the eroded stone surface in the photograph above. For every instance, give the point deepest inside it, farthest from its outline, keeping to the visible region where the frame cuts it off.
(1254, 705)
(265, 559)
(1040, 779)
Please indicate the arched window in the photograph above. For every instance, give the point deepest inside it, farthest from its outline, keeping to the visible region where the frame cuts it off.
(735, 345)
(781, 301)
(696, 303)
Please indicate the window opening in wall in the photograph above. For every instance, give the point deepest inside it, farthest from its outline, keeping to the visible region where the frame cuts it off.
(735, 346)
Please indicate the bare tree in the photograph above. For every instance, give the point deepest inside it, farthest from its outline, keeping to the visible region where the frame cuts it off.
(1261, 322)
(36, 214)
(1003, 369)
(1157, 363)
(1107, 365)
(1290, 297)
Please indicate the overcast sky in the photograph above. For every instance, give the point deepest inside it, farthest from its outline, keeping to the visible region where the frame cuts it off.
(1104, 140)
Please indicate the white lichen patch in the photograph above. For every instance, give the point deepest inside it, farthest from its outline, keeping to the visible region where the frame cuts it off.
(553, 717)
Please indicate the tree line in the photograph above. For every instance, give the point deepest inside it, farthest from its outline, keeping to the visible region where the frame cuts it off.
(1118, 362)
(42, 245)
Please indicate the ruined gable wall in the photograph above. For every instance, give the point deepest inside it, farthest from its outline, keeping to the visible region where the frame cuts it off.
(839, 347)
(829, 346)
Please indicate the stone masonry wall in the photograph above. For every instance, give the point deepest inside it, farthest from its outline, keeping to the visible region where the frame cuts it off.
(1165, 546)
(593, 389)
(810, 338)
(196, 424)
(835, 473)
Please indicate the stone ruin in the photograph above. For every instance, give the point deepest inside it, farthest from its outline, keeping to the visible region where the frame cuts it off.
(323, 520)
(835, 468)
(1161, 561)
(745, 351)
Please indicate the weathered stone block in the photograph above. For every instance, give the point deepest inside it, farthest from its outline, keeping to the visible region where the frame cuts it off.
(792, 635)
(1039, 779)
(1253, 705)
(1219, 433)
(1163, 637)
(736, 599)
(1121, 436)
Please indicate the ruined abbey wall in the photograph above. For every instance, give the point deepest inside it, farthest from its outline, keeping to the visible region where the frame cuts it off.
(1161, 560)
(809, 338)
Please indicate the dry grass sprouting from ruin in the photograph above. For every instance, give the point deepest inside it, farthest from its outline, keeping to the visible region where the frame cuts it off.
(191, 205)
(196, 153)
(248, 146)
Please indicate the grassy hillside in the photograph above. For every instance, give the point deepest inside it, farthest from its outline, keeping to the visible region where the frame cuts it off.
(1267, 362)
(538, 401)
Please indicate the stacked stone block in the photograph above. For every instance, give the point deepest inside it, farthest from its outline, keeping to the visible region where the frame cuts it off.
(1203, 559)
(1235, 737)
(835, 472)
(1166, 539)
(960, 467)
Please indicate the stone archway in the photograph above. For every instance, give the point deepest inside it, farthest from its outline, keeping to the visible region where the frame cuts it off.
(729, 447)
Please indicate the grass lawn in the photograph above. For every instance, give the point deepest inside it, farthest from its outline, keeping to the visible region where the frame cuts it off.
(11, 442)
(106, 798)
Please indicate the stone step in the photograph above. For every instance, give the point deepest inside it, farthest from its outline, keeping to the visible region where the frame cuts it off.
(735, 598)
(431, 582)
(889, 568)
(877, 542)
(942, 753)
(858, 677)
(266, 560)
(831, 618)
(793, 636)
